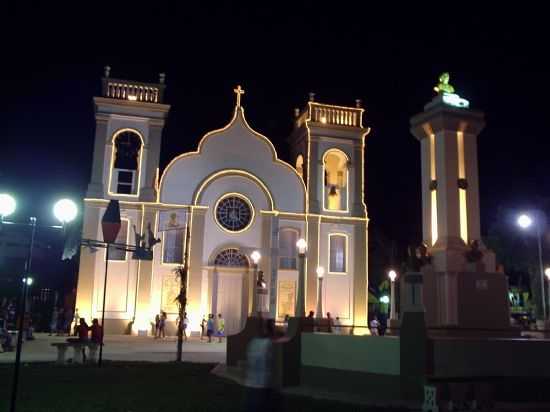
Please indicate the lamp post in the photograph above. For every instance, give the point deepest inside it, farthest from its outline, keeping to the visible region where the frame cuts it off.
(525, 222)
(65, 211)
(392, 274)
(300, 310)
(320, 273)
(255, 256)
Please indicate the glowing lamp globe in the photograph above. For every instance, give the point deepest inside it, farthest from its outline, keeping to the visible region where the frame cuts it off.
(302, 246)
(385, 299)
(7, 205)
(392, 274)
(65, 210)
(255, 256)
(547, 273)
(524, 221)
(320, 271)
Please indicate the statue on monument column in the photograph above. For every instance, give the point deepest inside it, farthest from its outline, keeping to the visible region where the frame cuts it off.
(443, 86)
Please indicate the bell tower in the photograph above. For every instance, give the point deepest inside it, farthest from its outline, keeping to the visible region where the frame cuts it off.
(129, 121)
(327, 147)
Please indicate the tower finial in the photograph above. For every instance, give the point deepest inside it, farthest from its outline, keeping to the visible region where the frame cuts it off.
(311, 96)
(239, 91)
(358, 103)
(162, 78)
(107, 71)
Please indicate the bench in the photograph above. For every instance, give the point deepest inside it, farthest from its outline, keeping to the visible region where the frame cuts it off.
(78, 348)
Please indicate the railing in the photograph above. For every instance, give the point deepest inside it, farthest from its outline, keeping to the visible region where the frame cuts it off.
(335, 115)
(132, 91)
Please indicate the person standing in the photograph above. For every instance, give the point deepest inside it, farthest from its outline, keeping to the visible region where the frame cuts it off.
(337, 325)
(221, 327)
(330, 323)
(210, 327)
(162, 324)
(260, 393)
(76, 321)
(53, 321)
(374, 324)
(97, 331)
(203, 326)
(68, 321)
(157, 325)
(184, 323)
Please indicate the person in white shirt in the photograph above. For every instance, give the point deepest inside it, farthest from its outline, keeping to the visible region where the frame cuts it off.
(337, 325)
(374, 326)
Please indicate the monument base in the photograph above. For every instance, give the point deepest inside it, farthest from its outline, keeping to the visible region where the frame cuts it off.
(466, 303)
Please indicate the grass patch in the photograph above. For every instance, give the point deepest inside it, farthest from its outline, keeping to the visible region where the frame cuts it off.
(136, 387)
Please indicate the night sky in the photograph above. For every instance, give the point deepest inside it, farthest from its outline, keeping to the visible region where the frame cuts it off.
(53, 61)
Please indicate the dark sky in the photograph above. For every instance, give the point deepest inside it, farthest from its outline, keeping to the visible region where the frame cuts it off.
(53, 61)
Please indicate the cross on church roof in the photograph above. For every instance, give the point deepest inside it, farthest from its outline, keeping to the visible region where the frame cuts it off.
(239, 91)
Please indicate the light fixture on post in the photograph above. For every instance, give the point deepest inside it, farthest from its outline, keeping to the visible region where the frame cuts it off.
(255, 256)
(525, 222)
(65, 210)
(547, 273)
(7, 205)
(320, 274)
(392, 274)
(300, 310)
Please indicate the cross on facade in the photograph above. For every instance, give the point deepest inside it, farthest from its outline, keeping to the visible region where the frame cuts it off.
(239, 91)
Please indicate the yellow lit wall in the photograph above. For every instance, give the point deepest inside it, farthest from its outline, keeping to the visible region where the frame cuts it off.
(434, 192)
(462, 192)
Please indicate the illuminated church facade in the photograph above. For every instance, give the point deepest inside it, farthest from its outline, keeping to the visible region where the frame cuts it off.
(237, 197)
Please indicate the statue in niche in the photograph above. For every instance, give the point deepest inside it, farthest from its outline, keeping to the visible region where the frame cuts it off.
(443, 86)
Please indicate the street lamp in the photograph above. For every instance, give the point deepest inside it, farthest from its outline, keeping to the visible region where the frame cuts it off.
(65, 211)
(300, 310)
(320, 273)
(392, 274)
(7, 205)
(255, 256)
(525, 222)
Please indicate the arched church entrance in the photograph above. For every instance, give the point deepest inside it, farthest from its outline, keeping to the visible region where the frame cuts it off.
(229, 284)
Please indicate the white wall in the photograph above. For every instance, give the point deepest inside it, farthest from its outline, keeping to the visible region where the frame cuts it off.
(337, 288)
(236, 148)
(122, 277)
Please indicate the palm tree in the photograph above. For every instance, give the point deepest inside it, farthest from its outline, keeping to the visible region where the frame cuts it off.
(181, 273)
(181, 300)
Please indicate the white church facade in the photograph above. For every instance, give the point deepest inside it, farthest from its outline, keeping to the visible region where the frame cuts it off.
(237, 197)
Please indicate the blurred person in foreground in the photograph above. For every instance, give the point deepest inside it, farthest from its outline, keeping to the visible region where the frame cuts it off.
(261, 394)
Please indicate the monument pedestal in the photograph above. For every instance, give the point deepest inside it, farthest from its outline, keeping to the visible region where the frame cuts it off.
(463, 303)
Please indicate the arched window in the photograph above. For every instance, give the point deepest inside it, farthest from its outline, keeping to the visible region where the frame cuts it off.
(335, 166)
(287, 248)
(300, 165)
(231, 258)
(127, 146)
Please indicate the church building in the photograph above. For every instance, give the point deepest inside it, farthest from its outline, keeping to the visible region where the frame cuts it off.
(237, 197)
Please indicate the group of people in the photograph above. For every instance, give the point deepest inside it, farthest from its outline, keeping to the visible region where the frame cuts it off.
(332, 325)
(213, 327)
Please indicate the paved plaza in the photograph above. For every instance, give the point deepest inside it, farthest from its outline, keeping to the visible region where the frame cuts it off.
(126, 348)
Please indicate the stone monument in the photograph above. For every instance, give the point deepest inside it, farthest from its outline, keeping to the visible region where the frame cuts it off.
(462, 291)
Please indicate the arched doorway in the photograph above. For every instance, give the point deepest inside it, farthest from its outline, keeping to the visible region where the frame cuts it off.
(230, 284)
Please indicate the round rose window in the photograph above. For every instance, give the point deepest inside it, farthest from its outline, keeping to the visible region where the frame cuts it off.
(233, 213)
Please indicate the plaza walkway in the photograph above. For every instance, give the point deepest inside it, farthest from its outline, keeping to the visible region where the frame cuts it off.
(126, 348)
